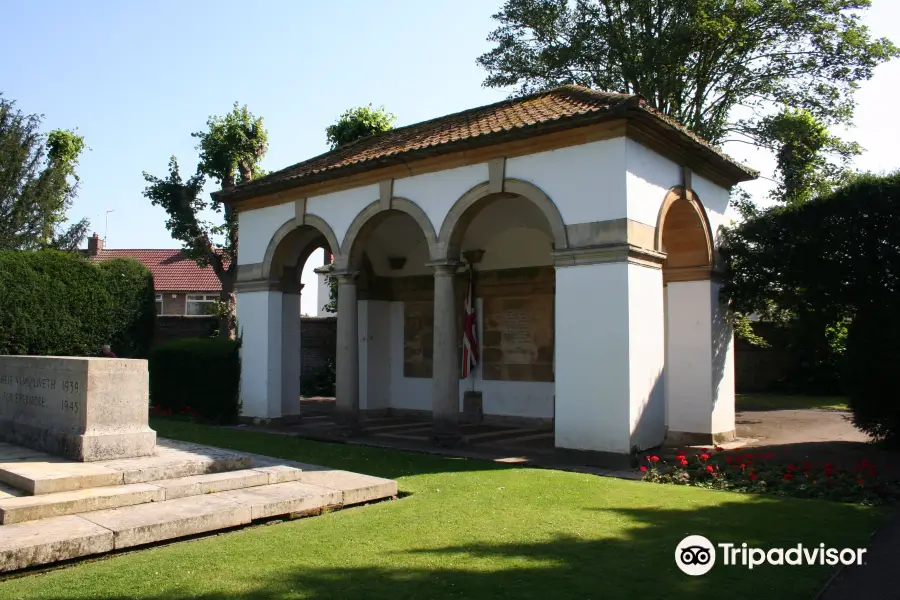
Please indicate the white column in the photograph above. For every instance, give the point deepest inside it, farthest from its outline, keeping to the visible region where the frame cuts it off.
(259, 317)
(699, 364)
(347, 384)
(609, 358)
(290, 353)
(445, 373)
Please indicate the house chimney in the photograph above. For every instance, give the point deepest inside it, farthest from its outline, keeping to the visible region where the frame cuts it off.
(95, 245)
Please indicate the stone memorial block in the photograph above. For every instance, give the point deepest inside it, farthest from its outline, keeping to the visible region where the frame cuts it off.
(84, 409)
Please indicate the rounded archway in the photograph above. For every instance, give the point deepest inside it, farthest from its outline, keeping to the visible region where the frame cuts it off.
(508, 238)
(683, 234)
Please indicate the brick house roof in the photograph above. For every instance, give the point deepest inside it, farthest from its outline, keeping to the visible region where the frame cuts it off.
(172, 270)
(561, 108)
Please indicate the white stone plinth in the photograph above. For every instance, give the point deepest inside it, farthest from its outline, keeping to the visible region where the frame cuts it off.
(85, 409)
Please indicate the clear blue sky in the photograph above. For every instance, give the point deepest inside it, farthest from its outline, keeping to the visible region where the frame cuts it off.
(136, 78)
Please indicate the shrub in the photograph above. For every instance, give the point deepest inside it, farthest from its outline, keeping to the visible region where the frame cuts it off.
(199, 377)
(321, 383)
(60, 304)
(133, 315)
(872, 386)
(763, 473)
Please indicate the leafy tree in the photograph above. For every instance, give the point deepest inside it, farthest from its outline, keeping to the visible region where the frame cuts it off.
(354, 124)
(38, 182)
(693, 60)
(231, 149)
(814, 265)
(357, 123)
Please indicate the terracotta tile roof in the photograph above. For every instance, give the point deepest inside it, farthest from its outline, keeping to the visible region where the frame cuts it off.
(172, 270)
(557, 109)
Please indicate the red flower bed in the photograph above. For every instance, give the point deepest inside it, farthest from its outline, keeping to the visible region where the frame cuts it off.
(762, 473)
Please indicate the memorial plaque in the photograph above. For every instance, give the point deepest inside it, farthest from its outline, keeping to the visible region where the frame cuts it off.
(81, 408)
(418, 339)
(518, 338)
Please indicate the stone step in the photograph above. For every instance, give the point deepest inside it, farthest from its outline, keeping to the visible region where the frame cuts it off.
(37, 473)
(61, 538)
(30, 508)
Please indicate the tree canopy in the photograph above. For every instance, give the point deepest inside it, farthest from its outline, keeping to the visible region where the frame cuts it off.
(38, 182)
(831, 255)
(716, 66)
(231, 149)
(359, 122)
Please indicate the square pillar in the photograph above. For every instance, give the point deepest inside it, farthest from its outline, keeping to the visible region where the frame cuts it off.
(290, 353)
(259, 318)
(699, 364)
(610, 351)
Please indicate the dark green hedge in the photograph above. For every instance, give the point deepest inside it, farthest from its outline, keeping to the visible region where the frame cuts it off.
(56, 303)
(871, 382)
(202, 374)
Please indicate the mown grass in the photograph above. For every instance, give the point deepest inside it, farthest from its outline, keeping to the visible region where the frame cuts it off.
(783, 402)
(469, 530)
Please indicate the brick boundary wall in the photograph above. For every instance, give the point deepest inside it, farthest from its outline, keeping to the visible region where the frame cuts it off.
(176, 327)
(318, 337)
(318, 342)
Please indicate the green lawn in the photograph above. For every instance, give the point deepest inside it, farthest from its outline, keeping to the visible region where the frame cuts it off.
(469, 530)
(779, 402)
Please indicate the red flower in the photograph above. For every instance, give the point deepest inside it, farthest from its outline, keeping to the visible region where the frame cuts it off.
(791, 468)
(684, 462)
(787, 477)
(710, 468)
(654, 459)
(643, 469)
(753, 476)
(718, 448)
(860, 481)
(702, 449)
(770, 456)
(704, 457)
(728, 459)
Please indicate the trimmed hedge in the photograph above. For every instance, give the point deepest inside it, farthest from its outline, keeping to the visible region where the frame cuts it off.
(871, 382)
(202, 374)
(60, 304)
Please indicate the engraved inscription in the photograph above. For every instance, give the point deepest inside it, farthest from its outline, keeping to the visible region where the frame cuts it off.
(31, 392)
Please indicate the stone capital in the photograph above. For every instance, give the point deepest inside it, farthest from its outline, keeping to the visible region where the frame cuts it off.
(444, 267)
(345, 277)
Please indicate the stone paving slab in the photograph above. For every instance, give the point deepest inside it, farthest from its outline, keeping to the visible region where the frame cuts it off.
(51, 540)
(39, 473)
(283, 499)
(31, 508)
(147, 523)
(195, 485)
(354, 488)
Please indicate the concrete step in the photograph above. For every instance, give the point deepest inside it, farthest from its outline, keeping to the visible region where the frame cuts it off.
(37, 473)
(61, 538)
(31, 508)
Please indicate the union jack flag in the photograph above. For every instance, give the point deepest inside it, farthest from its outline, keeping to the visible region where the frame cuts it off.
(470, 330)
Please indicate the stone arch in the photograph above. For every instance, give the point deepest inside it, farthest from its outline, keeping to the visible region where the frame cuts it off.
(367, 220)
(684, 234)
(314, 227)
(462, 213)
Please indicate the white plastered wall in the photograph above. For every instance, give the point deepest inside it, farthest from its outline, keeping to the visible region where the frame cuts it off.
(610, 353)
